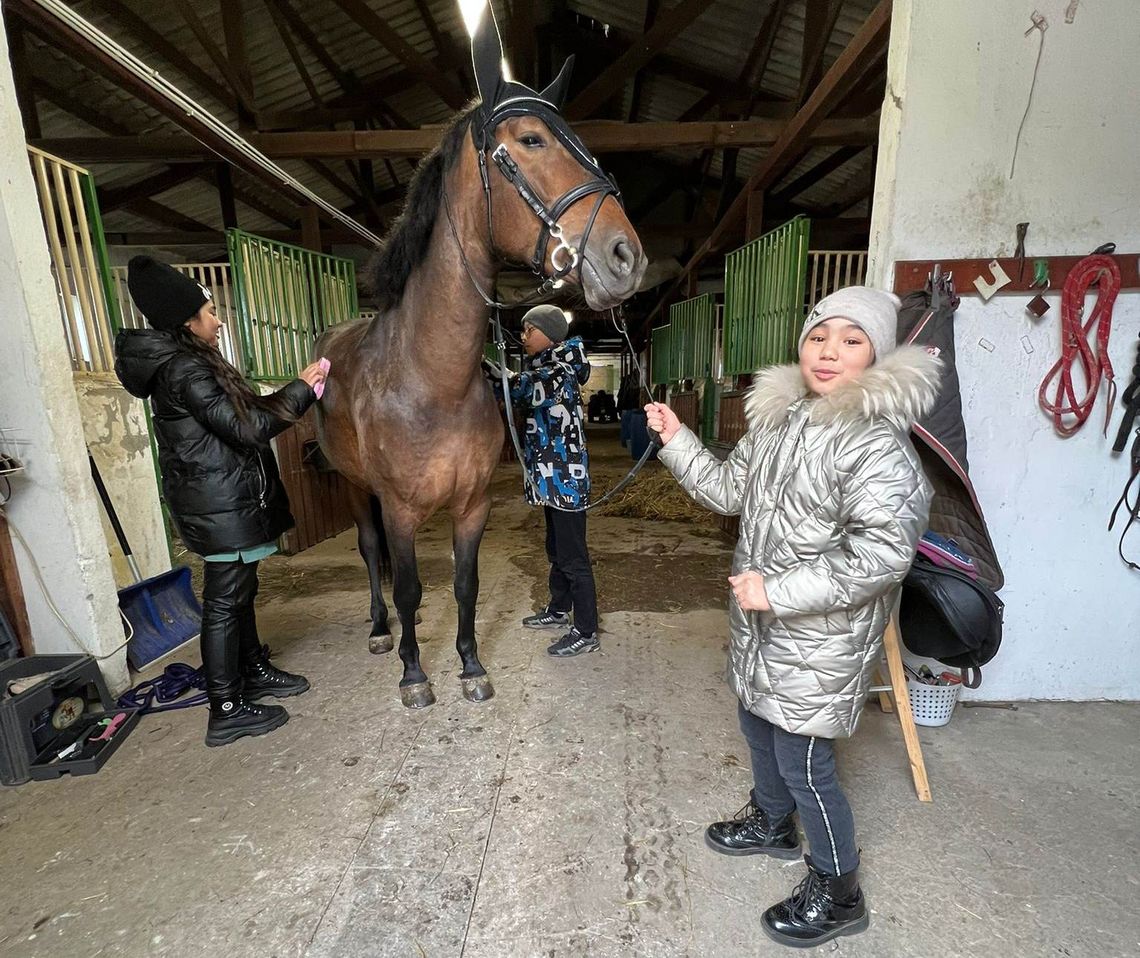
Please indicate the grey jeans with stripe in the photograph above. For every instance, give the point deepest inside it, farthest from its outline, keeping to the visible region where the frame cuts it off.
(797, 772)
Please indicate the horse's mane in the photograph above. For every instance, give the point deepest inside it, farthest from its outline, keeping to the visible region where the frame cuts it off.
(406, 243)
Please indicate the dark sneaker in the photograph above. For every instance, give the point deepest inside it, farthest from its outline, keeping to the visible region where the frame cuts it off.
(574, 643)
(546, 619)
(753, 832)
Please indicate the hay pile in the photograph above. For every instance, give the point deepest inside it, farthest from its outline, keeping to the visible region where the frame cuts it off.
(653, 494)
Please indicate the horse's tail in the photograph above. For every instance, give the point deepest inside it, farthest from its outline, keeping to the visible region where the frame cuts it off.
(385, 558)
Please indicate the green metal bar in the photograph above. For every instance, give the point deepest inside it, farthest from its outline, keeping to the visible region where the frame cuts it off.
(99, 248)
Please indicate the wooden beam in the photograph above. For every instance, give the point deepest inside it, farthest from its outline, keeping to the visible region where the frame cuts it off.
(599, 136)
(756, 65)
(339, 235)
(119, 196)
(240, 97)
(290, 44)
(93, 57)
(225, 182)
(809, 178)
(368, 20)
(311, 228)
(237, 58)
(820, 17)
(164, 215)
(22, 77)
(651, 9)
(861, 53)
(610, 81)
(149, 40)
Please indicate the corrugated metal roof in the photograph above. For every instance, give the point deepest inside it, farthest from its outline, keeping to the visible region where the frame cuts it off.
(717, 43)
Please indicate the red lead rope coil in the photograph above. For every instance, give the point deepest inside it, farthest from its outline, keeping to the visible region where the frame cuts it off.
(1103, 273)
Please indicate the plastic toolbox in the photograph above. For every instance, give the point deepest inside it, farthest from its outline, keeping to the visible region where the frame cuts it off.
(68, 705)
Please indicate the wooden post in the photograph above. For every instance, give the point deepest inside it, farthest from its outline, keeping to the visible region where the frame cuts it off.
(311, 228)
(226, 196)
(11, 591)
(902, 708)
(755, 221)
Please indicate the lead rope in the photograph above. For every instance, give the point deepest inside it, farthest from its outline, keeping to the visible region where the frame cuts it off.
(1103, 273)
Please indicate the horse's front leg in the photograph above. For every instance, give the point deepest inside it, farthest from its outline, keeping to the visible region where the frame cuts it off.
(415, 690)
(468, 533)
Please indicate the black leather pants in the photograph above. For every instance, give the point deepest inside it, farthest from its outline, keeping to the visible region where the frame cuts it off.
(229, 629)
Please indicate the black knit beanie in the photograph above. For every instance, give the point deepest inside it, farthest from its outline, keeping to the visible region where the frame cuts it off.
(550, 320)
(166, 297)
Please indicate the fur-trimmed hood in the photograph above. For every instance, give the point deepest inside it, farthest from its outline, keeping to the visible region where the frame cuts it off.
(901, 388)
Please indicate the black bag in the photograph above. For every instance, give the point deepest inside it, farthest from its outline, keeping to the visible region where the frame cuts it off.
(946, 615)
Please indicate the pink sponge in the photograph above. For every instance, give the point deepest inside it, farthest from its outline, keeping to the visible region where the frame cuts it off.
(325, 365)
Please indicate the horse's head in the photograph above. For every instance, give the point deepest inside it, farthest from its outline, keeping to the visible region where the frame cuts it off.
(552, 206)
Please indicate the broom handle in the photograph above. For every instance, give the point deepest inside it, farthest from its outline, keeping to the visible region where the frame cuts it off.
(113, 516)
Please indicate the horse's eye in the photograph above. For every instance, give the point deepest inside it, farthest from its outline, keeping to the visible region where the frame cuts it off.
(531, 140)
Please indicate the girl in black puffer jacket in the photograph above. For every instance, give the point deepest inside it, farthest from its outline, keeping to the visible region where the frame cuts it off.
(219, 479)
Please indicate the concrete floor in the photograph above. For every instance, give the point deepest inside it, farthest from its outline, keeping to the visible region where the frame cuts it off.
(565, 817)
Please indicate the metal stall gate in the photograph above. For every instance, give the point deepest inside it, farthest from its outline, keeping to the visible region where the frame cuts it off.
(74, 229)
(284, 297)
(764, 298)
(693, 322)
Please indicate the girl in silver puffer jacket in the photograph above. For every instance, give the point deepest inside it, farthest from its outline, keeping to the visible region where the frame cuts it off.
(832, 501)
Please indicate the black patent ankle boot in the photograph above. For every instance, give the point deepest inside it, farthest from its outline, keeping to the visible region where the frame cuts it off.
(752, 832)
(820, 908)
(260, 678)
(231, 718)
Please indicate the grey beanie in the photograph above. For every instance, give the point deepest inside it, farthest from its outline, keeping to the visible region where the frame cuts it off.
(874, 311)
(550, 320)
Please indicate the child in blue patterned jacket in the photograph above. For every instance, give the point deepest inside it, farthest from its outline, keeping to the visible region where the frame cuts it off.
(548, 390)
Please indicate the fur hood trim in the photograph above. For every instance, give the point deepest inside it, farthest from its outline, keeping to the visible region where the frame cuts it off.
(901, 388)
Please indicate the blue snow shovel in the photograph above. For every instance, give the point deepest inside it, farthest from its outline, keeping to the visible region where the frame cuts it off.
(161, 612)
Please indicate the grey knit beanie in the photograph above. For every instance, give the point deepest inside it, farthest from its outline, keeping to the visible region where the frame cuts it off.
(874, 311)
(550, 320)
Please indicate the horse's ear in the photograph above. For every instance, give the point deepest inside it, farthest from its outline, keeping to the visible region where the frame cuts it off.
(487, 57)
(556, 92)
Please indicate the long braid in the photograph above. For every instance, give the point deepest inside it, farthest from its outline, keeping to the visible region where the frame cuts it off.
(234, 385)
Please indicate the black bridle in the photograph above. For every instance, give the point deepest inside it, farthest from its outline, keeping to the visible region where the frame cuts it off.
(572, 258)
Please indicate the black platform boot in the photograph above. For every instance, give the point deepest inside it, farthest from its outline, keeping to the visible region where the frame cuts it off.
(259, 677)
(752, 832)
(822, 907)
(231, 718)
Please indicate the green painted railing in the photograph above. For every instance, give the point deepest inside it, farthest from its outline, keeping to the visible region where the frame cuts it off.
(660, 356)
(286, 296)
(764, 284)
(691, 341)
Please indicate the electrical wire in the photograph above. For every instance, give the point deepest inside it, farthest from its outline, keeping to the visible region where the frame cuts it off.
(51, 602)
(194, 110)
(1029, 102)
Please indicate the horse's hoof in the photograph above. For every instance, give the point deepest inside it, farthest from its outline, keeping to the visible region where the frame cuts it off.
(478, 688)
(418, 696)
(379, 644)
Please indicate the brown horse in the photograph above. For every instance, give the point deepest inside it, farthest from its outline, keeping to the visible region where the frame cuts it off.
(407, 416)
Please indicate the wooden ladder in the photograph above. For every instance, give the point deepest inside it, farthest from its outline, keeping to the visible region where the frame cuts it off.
(895, 698)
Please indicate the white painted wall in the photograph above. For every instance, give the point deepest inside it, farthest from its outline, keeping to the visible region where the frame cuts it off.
(959, 76)
(115, 427)
(53, 503)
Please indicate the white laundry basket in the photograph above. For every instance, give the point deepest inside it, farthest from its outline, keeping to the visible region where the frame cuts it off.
(932, 705)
